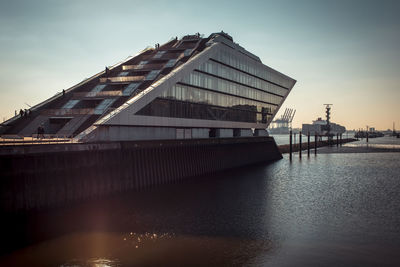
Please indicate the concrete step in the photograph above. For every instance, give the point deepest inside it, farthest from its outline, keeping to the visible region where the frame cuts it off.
(31, 128)
(71, 126)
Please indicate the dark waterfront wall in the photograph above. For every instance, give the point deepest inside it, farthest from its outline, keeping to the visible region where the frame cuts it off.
(39, 176)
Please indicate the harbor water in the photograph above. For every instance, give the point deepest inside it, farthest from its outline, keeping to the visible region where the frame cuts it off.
(333, 209)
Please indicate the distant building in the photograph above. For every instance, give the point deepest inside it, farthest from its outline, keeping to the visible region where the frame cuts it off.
(192, 87)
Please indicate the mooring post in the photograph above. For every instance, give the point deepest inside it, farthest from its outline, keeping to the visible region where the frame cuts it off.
(341, 140)
(337, 140)
(300, 144)
(308, 144)
(290, 145)
(367, 137)
(315, 144)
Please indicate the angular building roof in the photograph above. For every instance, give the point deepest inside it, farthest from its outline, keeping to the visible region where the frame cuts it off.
(192, 82)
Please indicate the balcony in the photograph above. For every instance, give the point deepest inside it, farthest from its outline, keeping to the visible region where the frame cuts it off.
(97, 94)
(62, 112)
(167, 56)
(123, 79)
(143, 67)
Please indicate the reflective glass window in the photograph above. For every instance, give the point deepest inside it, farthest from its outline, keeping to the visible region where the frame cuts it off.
(253, 67)
(170, 63)
(152, 75)
(141, 64)
(159, 54)
(98, 88)
(103, 106)
(220, 70)
(123, 73)
(180, 109)
(70, 104)
(130, 89)
(191, 94)
(210, 82)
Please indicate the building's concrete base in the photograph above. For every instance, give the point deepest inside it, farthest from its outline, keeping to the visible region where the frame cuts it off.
(40, 176)
(260, 132)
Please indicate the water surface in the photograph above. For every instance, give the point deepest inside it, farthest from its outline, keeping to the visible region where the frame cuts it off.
(328, 210)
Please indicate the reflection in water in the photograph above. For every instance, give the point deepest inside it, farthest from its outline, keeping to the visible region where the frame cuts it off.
(127, 246)
(92, 263)
(328, 210)
(386, 142)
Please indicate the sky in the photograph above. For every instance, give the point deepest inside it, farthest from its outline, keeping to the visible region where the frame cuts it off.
(343, 52)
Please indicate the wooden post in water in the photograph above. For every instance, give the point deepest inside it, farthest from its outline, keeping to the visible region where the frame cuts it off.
(300, 144)
(315, 144)
(341, 140)
(308, 144)
(290, 145)
(367, 137)
(337, 139)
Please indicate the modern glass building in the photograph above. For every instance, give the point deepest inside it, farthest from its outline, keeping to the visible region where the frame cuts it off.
(193, 87)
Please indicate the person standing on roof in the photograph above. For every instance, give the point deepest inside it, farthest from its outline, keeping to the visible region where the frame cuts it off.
(40, 132)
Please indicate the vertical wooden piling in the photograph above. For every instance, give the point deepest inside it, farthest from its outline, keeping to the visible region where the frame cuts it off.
(290, 145)
(300, 144)
(315, 144)
(337, 139)
(308, 144)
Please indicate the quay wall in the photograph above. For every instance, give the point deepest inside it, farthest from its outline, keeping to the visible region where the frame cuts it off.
(41, 176)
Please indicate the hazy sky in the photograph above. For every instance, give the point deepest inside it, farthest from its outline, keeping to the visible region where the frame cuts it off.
(342, 52)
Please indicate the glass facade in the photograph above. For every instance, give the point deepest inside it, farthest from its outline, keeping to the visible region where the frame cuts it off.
(170, 63)
(130, 88)
(191, 94)
(152, 75)
(215, 91)
(183, 101)
(187, 52)
(123, 73)
(180, 109)
(159, 54)
(141, 64)
(255, 68)
(210, 82)
(70, 104)
(240, 77)
(100, 108)
(98, 88)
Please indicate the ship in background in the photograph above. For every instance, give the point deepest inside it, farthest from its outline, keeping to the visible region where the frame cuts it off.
(324, 127)
(284, 124)
(320, 127)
